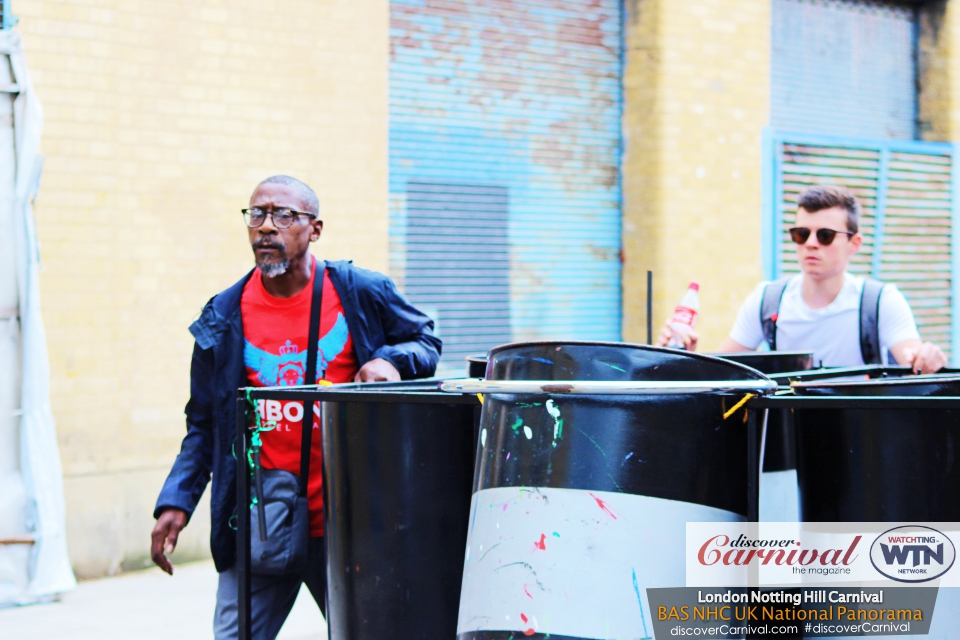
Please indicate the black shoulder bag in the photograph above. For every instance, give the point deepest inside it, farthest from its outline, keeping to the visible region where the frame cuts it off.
(280, 523)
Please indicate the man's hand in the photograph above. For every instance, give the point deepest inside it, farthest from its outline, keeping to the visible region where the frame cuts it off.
(163, 540)
(927, 359)
(689, 340)
(377, 370)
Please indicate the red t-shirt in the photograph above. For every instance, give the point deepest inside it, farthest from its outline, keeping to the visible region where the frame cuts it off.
(275, 355)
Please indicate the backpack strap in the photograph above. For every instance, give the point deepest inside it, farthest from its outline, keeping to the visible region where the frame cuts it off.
(770, 309)
(870, 321)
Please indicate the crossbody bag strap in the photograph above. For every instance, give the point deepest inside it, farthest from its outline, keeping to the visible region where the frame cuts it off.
(310, 377)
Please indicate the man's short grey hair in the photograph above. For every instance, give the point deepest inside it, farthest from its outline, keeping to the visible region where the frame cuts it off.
(311, 204)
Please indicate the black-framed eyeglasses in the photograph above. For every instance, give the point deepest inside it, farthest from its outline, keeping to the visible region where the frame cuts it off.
(825, 237)
(282, 218)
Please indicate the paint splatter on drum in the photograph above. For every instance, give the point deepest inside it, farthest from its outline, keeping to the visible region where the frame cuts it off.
(570, 524)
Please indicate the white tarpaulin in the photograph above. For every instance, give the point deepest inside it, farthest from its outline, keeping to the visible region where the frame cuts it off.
(32, 504)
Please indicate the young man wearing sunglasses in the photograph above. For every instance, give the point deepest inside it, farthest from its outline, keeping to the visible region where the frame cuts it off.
(256, 334)
(819, 309)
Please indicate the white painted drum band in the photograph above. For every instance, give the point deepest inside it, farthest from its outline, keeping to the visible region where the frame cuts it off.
(570, 562)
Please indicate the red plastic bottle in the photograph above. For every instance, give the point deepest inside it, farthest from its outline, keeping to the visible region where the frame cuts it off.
(684, 317)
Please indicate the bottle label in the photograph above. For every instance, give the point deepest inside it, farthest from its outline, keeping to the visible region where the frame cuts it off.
(684, 315)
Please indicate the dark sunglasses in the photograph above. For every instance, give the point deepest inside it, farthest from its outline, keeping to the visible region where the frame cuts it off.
(825, 237)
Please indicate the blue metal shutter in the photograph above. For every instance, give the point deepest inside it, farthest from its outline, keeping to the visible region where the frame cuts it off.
(525, 97)
(844, 68)
(908, 191)
(458, 262)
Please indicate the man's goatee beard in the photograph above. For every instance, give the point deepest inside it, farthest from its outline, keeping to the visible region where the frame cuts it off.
(274, 269)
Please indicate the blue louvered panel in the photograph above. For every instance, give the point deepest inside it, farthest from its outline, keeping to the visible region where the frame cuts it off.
(917, 227)
(843, 68)
(909, 196)
(522, 96)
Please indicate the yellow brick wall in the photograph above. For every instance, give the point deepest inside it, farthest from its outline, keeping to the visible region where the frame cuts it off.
(696, 88)
(161, 117)
(939, 70)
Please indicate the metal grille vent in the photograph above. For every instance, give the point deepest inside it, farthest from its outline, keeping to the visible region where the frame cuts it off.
(458, 264)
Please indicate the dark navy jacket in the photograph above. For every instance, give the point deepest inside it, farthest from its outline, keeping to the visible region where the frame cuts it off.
(382, 325)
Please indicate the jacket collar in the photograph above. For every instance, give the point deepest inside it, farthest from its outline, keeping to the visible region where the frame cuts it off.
(220, 312)
(223, 310)
(343, 277)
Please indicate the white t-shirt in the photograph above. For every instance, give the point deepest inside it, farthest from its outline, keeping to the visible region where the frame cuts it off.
(833, 332)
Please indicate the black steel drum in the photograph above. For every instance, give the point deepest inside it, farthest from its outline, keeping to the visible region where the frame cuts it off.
(476, 366)
(779, 453)
(879, 465)
(585, 480)
(771, 362)
(398, 467)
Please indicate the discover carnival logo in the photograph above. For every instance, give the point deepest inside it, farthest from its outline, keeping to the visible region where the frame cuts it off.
(912, 553)
(742, 551)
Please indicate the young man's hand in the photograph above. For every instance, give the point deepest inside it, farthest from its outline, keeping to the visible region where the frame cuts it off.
(377, 370)
(163, 540)
(927, 359)
(690, 338)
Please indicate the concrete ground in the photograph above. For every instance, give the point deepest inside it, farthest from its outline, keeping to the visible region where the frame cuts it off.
(147, 605)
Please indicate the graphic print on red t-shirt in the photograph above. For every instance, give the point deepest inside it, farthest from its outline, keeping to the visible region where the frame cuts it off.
(275, 355)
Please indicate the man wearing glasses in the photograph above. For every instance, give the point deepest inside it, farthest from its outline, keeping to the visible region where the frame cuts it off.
(819, 309)
(256, 334)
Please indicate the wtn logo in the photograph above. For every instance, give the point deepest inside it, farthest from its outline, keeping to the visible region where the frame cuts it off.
(905, 554)
(897, 554)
